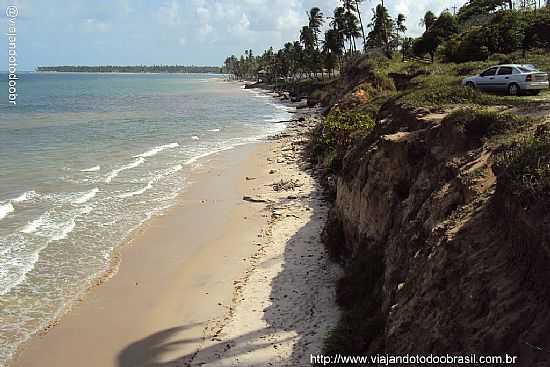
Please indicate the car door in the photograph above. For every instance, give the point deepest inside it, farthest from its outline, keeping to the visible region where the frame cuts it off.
(486, 80)
(503, 78)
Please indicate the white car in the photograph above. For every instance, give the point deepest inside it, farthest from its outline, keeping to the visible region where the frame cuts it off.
(511, 78)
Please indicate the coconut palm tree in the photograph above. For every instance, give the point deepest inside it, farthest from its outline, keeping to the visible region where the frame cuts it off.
(350, 27)
(357, 2)
(316, 20)
(428, 20)
(332, 48)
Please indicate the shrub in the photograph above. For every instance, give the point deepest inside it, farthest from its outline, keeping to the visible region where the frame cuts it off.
(469, 46)
(480, 123)
(538, 31)
(339, 125)
(501, 59)
(525, 166)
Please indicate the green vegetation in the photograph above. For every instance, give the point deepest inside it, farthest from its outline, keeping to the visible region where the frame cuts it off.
(439, 85)
(339, 125)
(480, 124)
(362, 319)
(483, 28)
(367, 84)
(311, 56)
(525, 167)
(131, 69)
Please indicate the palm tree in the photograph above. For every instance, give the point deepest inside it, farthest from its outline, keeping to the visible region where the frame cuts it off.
(307, 37)
(350, 28)
(316, 20)
(428, 20)
(379, 37)
(332, 48)
(357, 2)
(400, 27)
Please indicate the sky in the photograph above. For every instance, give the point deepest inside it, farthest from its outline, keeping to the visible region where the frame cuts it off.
(184, 32)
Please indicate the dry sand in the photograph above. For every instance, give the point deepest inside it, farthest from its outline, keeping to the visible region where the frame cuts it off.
(217, 280)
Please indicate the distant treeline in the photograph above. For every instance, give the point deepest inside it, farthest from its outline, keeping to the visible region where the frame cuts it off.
(131, 69)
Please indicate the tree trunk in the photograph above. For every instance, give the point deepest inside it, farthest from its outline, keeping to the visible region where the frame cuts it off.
(362, 28)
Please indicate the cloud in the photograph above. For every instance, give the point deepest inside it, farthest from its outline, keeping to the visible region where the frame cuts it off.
(169, 13)
(143, 31)
(93, 25)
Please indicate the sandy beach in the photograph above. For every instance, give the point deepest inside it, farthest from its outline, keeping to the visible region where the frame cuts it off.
(233, 275)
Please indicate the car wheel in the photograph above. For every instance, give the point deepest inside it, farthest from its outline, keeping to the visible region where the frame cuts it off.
(470, 85)
(513, 89)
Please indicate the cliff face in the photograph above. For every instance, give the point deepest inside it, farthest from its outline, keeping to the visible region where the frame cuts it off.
(442, 256)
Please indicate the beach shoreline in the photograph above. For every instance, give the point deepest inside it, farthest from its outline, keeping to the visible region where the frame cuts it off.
(138, 301)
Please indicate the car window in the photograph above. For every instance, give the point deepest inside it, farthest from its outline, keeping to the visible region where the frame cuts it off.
(529, 68)
(505, 70)
(489, 72)
(516, 71)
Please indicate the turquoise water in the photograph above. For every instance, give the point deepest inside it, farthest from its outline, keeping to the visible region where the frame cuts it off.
(86, 158)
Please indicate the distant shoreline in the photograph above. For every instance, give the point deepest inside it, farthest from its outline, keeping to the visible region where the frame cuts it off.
(136, 69)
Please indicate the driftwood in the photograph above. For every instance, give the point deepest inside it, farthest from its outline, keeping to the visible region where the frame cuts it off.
(286, 185)
(254, 200)
(293, 120)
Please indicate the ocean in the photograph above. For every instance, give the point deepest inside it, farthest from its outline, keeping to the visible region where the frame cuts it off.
(87, 158)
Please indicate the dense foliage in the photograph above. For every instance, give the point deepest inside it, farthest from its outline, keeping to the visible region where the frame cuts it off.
(500, 30)
(323, 46)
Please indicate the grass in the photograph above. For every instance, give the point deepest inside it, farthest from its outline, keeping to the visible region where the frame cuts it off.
(438, 85)
(525, 167)
(477, 123)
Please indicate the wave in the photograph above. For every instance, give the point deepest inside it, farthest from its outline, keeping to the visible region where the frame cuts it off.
(156, 150)
(115, 172)
(194, 137)
(34, 225)
(93, 169)
(214, 130)
(25, 196)
(6, 209)
(16, 265)
(283, 107)
(204, 155)
(86, 197)
(138, 192)
(150, 184)
(63, 230)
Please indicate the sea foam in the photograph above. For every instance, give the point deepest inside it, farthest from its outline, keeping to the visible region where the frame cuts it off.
(150, 184)
(6, 209)
(93, 169)
(25, 196)
(115, 172)
(156, 150)
(86, 196)
(33, 226)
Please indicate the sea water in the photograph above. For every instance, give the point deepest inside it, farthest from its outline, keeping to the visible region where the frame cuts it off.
(87, 158)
